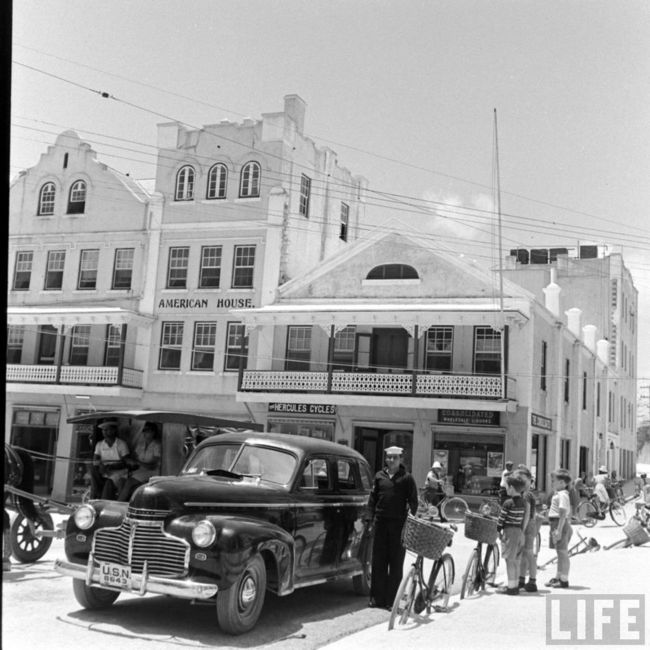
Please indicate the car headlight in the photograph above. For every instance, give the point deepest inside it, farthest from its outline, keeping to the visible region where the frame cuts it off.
(204, 534)
(85, 517)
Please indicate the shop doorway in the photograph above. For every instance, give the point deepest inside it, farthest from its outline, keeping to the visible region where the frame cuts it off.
(389, 348)
(371, 442)
(539, 461)
(36, 431)
(583, 462)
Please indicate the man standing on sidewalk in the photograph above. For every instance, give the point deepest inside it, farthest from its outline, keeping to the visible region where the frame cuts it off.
(394, 492)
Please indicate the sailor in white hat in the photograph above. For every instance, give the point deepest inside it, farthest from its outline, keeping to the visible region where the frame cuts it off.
(394, 493)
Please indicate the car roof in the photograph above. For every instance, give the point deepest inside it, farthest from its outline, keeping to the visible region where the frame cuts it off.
(299, 445)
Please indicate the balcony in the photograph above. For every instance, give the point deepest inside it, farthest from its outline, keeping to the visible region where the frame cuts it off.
(75, 375)
(406, 384)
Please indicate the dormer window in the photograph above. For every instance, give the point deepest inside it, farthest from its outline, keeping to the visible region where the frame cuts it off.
(185, 184)
(46, 199)
(77, 199)
(249, 186)
(393, 272)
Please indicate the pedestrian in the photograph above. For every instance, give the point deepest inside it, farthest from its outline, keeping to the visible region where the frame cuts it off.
(509, 527)
(503, 485)
(148, 453)
(111, 460)
(394, 493)
(528, 563)
(559, 518)
(601, 489)
(434, 483)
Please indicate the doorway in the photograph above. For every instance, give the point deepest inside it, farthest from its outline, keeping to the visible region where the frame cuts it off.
(389, 348)
(370, 442)
(46, 345)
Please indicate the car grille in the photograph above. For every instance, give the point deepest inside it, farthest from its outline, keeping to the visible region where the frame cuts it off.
(140, 538)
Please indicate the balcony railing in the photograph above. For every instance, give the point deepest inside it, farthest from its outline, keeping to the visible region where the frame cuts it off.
(417, 384)
(83, 375)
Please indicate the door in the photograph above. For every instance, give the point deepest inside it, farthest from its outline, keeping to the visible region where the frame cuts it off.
(371, 442)
(389, 348)
(46, 345)
(362, 352)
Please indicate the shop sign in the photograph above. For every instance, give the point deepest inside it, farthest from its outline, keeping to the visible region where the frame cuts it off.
(302, 409)
(459, 416)
(209, 304)
(541, 422)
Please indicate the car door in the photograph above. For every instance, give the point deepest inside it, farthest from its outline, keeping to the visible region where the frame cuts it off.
(314, 498)
(352, 486)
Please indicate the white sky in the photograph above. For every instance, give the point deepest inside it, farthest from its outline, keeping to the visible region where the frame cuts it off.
(403, 90)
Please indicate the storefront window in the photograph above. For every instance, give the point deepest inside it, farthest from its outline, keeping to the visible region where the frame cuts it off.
(323, 429)
(472, 463)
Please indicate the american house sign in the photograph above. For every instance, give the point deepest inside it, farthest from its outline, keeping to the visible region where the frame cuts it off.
(208, 304)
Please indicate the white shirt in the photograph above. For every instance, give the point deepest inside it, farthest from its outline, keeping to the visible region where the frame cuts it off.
(559, 501)
(111, 454)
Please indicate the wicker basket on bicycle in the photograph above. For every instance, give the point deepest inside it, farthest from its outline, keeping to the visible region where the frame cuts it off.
(425, 538)
(635, 532)
(480, 529)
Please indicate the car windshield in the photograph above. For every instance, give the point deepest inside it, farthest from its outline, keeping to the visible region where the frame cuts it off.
(273, 465)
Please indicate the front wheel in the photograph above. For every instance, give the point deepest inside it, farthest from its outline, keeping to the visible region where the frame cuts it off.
(587, 514)
(470, 578)
(441, 578)
(404, 598)
(454, 509)
(239, 607)
(28, 546)
(93, 597)
(491, 563)
(617, 513)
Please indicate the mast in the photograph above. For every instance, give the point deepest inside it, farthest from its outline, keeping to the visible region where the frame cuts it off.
(502, 327)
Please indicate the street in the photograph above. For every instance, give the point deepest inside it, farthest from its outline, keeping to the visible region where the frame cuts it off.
(39, 604)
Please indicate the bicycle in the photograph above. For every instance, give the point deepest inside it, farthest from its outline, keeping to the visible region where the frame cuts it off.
(415, 594)
(584, 545)
(481, 569)
(636, 529)
(453, 508)
(590, 510)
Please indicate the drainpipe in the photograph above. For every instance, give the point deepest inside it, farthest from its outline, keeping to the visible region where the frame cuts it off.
(416, 356)
(61, 340)
(330, 357)
(120, 365)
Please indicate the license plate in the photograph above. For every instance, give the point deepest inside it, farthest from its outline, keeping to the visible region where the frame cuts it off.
(114, 575)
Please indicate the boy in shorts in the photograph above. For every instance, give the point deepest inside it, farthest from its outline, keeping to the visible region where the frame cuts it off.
(509, 526)
(559, 517)
(528, 562)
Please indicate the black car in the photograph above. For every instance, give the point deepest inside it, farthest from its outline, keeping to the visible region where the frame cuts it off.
(248, 512)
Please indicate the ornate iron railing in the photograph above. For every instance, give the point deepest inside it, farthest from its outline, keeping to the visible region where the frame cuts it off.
(426, 384)
(87, 375)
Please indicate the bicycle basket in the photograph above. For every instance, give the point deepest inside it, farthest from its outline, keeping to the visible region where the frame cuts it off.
(635, 532)
(425, 538)
(480, 529)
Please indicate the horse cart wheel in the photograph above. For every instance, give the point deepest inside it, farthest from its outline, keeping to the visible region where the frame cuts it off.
(25, 545)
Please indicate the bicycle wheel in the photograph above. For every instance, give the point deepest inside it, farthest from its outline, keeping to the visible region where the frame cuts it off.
(617, 513)
(470, 578)
(454, 509)
(442, 577)
(491, 563)
(587, 513)
(403, 598)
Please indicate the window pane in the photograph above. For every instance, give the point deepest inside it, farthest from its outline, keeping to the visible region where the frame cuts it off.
(439, 348)
(23, 271)
(46, 200)
(305, 193)
(185, 184)
(203, 349)
(250, 180)
(234, 346)
(79, 344)
(77, 200)
(217, 182)
(345, 215)
(88, 263)
(244, 264)
(171, 342)
(54, 272)
(177, 270)
(123, 271)
(210, 274)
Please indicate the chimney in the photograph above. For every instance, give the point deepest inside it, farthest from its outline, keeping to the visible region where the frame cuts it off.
(573, 320)
(589, 337)
(603, 351)
(552, 296)
(295, 107)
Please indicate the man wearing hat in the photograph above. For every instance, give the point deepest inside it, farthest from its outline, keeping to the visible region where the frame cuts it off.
(434, 491)
(601, 483)
(394, 492)
(111, 460)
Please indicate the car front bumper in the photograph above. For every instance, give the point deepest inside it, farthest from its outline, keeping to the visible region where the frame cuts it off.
(141, 583)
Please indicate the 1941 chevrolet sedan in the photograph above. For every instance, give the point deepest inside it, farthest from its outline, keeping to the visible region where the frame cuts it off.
(248, 512)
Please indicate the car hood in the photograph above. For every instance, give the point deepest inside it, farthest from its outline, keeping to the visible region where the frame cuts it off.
(178, 493)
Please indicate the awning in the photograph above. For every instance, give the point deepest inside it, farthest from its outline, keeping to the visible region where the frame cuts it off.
(78, 315)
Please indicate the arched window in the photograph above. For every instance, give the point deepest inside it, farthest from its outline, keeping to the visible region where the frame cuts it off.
(185, 184)
(249, 185)
(46, 199)
(393, 272)
(217, 179)
(77, 198)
